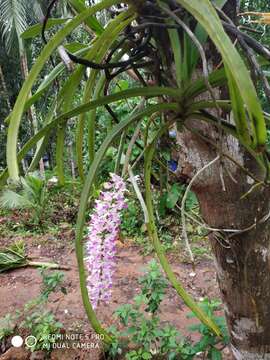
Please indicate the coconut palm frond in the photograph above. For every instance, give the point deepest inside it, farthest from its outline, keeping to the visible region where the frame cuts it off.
(33, 186)
(11, 200)
(13, 21)
(12, 257)
(35, 8)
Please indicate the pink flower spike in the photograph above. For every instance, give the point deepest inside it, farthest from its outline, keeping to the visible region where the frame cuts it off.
(103, 231)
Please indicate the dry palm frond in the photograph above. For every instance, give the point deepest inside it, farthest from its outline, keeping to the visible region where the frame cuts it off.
(14, 257)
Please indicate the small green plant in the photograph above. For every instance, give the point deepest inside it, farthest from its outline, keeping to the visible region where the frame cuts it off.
(34, 318)
(138, 355)
(51, 282)
(169, 199)
(166, 239)
(209, 344)
(6, 326)
(149, 339)
(41, 325)
(153, 286)
(132, 219)
(142, 325)
(31, 194)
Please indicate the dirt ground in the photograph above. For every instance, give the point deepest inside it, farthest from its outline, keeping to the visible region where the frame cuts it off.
(19, 286)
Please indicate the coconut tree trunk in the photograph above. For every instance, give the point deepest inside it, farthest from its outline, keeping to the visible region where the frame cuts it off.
(230, 200)
(6, 96)
(32, 111)
(4, 87)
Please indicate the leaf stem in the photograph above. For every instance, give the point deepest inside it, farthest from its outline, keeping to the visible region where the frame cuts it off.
(158, 246)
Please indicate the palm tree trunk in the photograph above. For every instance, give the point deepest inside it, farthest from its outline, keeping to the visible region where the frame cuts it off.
(72, 163)
(4, 87)
(6, 96)
(32, 111)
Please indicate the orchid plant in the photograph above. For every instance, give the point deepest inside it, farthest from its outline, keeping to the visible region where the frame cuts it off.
(138, 32)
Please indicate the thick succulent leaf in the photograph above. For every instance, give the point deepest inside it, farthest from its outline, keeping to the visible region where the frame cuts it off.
(125, 94)
(239, 112)
(151, 227)
(206, 15)
(91, 21)
(35, 30)
(47, 81)
(176, 48)
(216, 78)
(74, 46)
(97, 54)
(35, 71)
(202, 36)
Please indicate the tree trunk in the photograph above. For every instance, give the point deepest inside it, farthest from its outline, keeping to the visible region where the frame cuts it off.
(231, 199)
(242, 260)
(4, 87)
(32, 111)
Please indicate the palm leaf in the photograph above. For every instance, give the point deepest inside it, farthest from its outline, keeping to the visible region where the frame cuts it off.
(12, 200)
(35, 30)
(13, 21)
(12, 256)
(33, 186)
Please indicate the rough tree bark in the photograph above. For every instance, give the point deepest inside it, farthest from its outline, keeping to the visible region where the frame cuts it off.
(4, 88)
(32, 111)
(243, 260)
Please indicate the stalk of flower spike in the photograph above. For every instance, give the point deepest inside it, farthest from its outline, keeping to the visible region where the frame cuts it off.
(103, 231)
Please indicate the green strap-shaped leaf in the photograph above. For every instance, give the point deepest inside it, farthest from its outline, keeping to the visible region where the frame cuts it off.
(35, 30)
(59, 153)
(125, 94)
(206, 15)
(229, 129)
(198, 86)
(239, 112)
(97, 53)
(149, 153)
(91, 21)
(41, 147)
(47, 81)
(202, 36)
(209, 104)
(16, 115)
(177, 52)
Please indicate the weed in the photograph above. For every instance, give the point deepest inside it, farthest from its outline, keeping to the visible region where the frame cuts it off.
(150, 340)
(34, 317)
